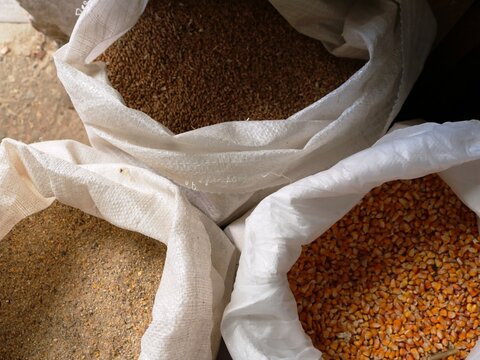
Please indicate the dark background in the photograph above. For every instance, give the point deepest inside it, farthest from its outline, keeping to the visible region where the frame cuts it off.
(449, 86)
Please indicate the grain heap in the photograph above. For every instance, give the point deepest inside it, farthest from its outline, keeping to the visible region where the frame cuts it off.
(395, 278)
(200, 62)
(73, 286)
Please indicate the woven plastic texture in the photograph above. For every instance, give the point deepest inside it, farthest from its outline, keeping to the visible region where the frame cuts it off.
(239, 159)
(191, 297)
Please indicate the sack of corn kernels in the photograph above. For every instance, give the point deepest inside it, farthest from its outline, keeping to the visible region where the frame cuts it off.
(327, 108)
(186, 313)
(377, 257)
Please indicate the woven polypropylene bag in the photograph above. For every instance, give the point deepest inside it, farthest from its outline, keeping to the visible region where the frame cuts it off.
(191, 296)
(261, 321)
(230, 165)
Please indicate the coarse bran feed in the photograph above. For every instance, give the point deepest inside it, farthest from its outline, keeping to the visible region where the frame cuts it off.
(398, 277)
(195, 63)
(73, 286)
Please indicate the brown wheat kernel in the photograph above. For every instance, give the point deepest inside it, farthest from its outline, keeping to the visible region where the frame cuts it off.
(195, 63)
(393, 278)
(73, 286)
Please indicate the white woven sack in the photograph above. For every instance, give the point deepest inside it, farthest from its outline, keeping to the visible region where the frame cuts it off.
(234, 164)
(190, 300)
(261, 321)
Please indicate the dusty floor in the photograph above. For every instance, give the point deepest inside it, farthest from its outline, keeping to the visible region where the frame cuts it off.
(33, 103)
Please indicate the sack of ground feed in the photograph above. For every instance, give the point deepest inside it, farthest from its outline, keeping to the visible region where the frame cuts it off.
(121, 266)
(83, 288)
(254, 104)
(376, 257)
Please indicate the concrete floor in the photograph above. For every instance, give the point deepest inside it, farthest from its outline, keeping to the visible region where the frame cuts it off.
(33, 103)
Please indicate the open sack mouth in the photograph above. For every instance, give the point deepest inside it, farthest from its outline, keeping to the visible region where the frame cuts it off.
(249, 57)
(75, 285)
(353, 263)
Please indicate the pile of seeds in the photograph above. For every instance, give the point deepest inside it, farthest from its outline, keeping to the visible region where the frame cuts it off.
(195, 63)
(398, 277)
(73, 286)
